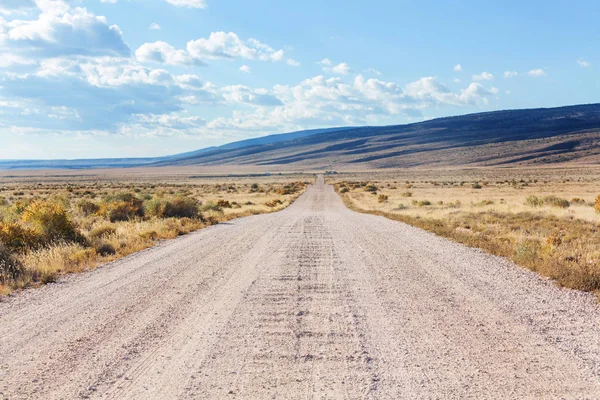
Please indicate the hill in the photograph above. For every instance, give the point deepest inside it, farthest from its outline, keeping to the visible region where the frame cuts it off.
(533, 136)
(524, 137)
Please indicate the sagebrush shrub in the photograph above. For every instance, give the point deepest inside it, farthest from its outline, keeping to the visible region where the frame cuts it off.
(178, 207)
(87, 207)
(102, 231)
(122, 207)
(273, 203)
(556, 202)
(597, 204)
(16, 237)
(534, 201)
(223, 203)
(10, 268)
(382, 198)
(51, 221)
(182, 207)
(210, 206)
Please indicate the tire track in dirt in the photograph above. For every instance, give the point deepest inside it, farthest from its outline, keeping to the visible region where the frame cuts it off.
(315, 301)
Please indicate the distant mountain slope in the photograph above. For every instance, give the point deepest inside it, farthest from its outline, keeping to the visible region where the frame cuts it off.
(534, 136)
(269, 139)
(137, 162)
(545, 135)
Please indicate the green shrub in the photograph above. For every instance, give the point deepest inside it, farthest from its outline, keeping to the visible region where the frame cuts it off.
(87, 207)
(552, 201)
(17, 237)
(371, 188)
(178, 207)
(382, 198)
(51, 221)
(476, 186)
(534, 201)
(122, 207)
(424, 203)
(556, 202)
(210, 206)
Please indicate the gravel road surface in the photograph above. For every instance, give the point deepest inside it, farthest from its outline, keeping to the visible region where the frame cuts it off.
(312, 302)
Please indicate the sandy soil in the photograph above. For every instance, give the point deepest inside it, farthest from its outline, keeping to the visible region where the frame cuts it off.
(312, 302)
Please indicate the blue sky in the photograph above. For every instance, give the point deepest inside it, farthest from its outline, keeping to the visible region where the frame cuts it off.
(120, 78)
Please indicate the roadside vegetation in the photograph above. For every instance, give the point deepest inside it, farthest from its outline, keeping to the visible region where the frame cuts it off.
(550, 226)
(47, 230)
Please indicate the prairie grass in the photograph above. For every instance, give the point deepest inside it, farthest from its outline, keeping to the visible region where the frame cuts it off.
(525, 222)
(48, 230)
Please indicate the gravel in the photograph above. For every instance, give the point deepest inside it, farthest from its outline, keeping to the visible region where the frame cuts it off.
(315, 301)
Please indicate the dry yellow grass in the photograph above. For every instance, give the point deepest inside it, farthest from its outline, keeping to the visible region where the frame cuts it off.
(540, 219)
(48, 229)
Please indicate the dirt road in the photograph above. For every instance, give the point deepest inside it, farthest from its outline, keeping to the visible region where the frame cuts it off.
(315, 301)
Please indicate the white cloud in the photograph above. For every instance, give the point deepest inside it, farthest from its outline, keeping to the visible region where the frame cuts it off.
(484, 76)
(8, 59)
(188, 3)
(536, 72)
(510, 74)
(291, 62)
(222, 45)
(583, 64)
(61, 31)
(246, 95)
(372, 71)
(154, 27)
(457, 68)
(456, 80)
(163, 53)
(342, 69)
(12, 6)
(246, 69)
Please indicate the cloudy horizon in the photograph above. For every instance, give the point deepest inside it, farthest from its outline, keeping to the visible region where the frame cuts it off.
(131, 78)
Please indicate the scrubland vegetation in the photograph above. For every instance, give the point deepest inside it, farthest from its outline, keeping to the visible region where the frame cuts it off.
(549, 223)
(50, 229)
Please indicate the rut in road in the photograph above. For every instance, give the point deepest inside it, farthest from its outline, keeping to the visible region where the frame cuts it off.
(315, 301)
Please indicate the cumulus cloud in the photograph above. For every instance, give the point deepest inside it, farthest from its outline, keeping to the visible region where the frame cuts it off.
(246, 69)
(188, 3)
(340, 69)
(246, 95)
(219, 45)
(163, 53)
(228, 45)
(11, 6)
(61, 31)
(536, 72)
(583, 64)
(372, 71)
(484, 76)
(154, 27)
(457, 68)
(510, 74)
